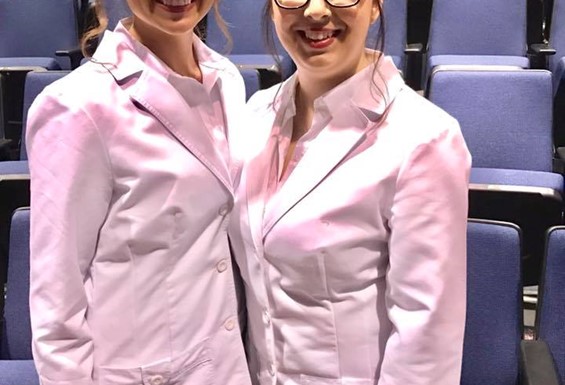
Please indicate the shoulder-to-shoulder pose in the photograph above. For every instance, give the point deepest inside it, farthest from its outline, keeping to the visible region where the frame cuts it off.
(132, 190)
(351, 216)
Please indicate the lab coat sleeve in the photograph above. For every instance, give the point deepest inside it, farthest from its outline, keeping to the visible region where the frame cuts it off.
(426, 281)
(70, 193)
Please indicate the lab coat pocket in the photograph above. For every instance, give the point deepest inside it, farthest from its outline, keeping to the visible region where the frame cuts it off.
(157, 373)
(192, 367)
(312, 380)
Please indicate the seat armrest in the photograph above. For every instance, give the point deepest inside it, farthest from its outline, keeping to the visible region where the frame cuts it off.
(414, 53)
(75, 56)
(414, 48)
(536, 364)
(6, 149)
(542, 49)
(559, 160)
(539, 54)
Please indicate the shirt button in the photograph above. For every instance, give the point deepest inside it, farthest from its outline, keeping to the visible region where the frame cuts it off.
(267, 318)
(222, 266)
(224, 210)
(272, 370)
(229, 325)
(157, 380)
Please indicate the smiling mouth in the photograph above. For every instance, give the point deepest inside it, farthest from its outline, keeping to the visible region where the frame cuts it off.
(175, 4)
(319, 39)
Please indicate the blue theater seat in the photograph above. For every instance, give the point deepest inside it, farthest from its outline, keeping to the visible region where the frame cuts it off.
(251, 80)
(115, 11)
(244, 23)
(544, 358)
(506, 119)
(493, 327)
(406, 57)
(479, 32)
(557, 67)
(31, 32)
(16, 360)
(395, 15)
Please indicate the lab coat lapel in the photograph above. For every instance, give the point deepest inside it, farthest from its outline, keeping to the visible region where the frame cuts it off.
(154, 94)
(256, 181)
(159, 98)
(343, 133)
(349, 108)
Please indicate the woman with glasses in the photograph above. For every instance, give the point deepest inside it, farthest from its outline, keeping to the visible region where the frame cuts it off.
(352, 208)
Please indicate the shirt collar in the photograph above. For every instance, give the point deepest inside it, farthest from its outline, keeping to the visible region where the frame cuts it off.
(371, 101)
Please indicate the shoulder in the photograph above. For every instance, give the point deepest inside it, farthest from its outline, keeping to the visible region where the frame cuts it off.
(418, 120)
(267, 101)
(218, 62)
(76, 106)
(89, 83)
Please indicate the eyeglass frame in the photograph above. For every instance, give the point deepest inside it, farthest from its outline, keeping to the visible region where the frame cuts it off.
(327, 1)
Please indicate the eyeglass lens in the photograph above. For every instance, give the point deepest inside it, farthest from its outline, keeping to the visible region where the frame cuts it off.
(301, 3)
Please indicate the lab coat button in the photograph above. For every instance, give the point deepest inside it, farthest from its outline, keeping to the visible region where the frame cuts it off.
(157, 380)
(229, 325)
(222, 266)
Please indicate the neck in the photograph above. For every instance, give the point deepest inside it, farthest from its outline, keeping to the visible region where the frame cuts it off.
(176, 51)
(314, 83)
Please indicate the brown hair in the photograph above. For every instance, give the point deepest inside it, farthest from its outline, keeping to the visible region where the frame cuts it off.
(100, 23)
(97, 26)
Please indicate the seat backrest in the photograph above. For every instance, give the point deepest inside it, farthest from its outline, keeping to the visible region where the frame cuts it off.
(395, 17)
(243, 18)
(16, 336)
(557, 33)
(31, 28)
(493, 327)
(505, 114)
(551, 312)
(35, 82)
(116, 10)
(478, 27)
(251, 80)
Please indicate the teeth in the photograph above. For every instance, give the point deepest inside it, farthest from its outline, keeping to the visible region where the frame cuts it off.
(318, 35)
(176, 3)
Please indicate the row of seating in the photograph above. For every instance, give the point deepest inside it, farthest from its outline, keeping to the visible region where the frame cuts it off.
(494, 327)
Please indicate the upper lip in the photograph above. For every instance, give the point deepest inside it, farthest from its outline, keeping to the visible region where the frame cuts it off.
(317, 29)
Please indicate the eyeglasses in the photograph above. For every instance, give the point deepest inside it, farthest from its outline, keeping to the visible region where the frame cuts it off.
(296, 4)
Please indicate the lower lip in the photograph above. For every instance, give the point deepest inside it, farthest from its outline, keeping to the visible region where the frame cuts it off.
(176, 8)
(319, 44)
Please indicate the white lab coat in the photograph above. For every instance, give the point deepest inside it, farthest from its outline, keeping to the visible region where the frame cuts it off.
(355, 267)
(131, 275)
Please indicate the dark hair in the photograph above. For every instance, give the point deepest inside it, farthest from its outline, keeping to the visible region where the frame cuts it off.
(269, 36)
(100, 23)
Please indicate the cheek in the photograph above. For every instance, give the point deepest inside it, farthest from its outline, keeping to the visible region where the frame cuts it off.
(285, 34)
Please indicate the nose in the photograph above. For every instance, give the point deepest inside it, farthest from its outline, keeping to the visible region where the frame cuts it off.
(317, 10)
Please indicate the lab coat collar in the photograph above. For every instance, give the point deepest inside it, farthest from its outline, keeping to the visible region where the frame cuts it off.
(370, 101)
(119, 46)
(354, 107)
(144, 77)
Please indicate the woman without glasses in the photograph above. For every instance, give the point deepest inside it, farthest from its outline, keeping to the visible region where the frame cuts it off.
(131, 277)
(351, 236)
